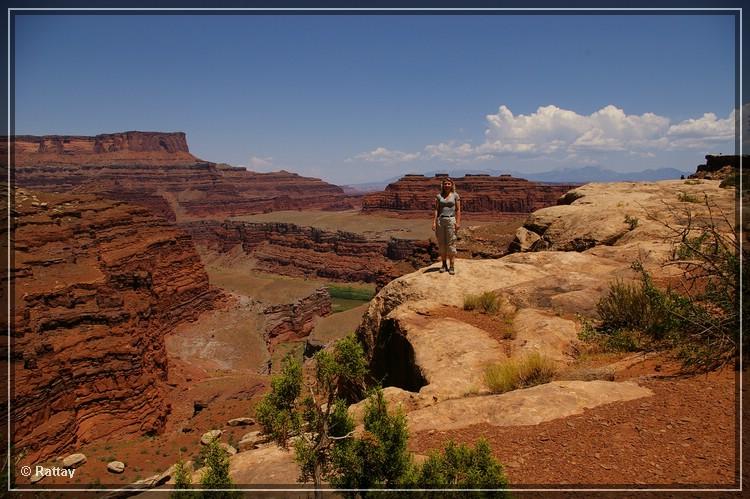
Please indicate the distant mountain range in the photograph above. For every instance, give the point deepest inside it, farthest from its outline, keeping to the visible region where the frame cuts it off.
(566, 175)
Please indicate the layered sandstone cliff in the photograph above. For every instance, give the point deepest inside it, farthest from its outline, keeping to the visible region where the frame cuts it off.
(156, 170)
(479, 194)
(98, 284)
(289, 249)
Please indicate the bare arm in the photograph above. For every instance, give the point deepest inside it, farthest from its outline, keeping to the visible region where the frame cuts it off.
(458, 214)
(434, 217)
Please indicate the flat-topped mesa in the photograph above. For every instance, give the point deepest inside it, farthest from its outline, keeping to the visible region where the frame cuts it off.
(480, 194)
(109, 148)
(156, 170)
(98, 284)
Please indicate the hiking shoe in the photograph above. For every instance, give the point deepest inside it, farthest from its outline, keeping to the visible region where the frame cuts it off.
(452, 271)
(443, 269)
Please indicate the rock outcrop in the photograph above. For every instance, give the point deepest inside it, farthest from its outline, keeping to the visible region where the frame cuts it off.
(156, 170)
(719, 167)
(97, 286)
(433, 364)
(480, 194)
(295, 320)
(288, 249)
(633, 217)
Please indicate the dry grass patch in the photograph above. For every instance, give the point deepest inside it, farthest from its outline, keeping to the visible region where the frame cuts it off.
(487, 302)
(531, 370)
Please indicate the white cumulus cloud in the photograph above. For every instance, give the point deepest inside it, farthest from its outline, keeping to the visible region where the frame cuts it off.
(258, 162)
(383, 155)
(551, 131)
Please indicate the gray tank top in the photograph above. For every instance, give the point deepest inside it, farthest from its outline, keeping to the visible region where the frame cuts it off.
(447, 205)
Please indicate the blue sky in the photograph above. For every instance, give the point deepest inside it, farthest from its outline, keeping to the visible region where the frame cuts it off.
(362, 98)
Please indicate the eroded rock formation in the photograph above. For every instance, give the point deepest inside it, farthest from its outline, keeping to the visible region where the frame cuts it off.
(288, 249)
(98, 284)
(479, 194)
(295, 320)
(433, 364)
(634, 216)
(719, 167)
(156, 170)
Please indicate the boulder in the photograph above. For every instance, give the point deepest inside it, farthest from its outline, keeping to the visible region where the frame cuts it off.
(241, 422)
(74, 460)
(228, 448)
(210, 436)
(252, 440)
(529, 406)
(116, 466)
(525, 240)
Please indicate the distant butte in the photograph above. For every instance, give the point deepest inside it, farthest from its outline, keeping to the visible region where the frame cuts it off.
(157, 170)
(480, 194)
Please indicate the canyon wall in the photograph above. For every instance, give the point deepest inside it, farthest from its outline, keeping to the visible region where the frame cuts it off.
(480, 194)
(290, 321)
(288, 249)
(97, 284)
(156, 170)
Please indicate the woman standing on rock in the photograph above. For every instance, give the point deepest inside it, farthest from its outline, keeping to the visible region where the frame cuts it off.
(446, 222)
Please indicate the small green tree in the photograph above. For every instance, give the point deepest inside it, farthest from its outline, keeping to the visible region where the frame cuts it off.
(321, 412)
(276, 412)
(460, 467)
(315, 414)
(181, 481)
(216, 474)
(378, 458)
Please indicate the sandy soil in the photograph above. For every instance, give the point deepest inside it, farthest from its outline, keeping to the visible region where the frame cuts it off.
(229, 338)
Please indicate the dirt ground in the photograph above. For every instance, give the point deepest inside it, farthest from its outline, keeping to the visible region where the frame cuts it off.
(684, 435)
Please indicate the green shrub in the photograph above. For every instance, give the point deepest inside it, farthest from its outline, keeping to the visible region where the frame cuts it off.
(702, 328)
(181, 481)
(275, 412)
(487, 302)
(459, 467)
(531, 370)
(379, 458)
(631, 221)
(216, 473)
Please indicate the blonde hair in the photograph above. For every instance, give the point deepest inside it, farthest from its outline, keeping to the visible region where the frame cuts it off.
(447, 179)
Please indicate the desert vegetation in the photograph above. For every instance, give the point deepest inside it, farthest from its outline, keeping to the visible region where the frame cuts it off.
(531, 370)
(487, 302)
(311, 412)
(346, 297)
(698, 316)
